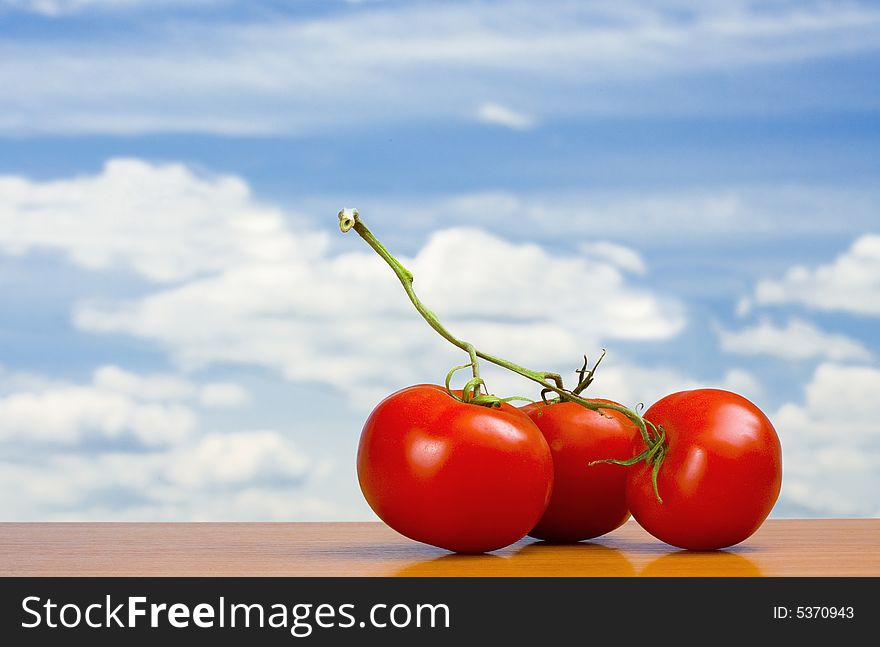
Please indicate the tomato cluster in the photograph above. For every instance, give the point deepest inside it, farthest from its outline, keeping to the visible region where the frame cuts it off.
(472, 478)
(468, 472)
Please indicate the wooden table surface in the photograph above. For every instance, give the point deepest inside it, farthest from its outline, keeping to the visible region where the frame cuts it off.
(839, 547)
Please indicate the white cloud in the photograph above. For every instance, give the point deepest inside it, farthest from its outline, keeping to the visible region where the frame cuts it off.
(412, 61)
(162, 221)
(851, 283)
(567, 286)
(743, 307)
(798, 339)
(834, 390)
(117, 404)
(71, 413)
(831, 443)
(170, 387)
(236, 458)
(223, 394)
(623, 257)
(249, 475)
(145, 387)
(175, 469)
(493, 113)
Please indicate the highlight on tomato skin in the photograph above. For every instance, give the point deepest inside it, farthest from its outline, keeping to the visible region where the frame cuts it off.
(721, 474)
(586, 501)
(463, 477)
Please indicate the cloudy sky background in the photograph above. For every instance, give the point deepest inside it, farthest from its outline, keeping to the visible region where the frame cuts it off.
(185, 335)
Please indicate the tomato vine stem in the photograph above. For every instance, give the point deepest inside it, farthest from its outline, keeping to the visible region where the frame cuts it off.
(350, 219)
(654, 439)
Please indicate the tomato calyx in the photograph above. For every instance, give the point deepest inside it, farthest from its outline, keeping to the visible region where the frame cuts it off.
(586, 375)
(653, 455)
(585, 379)
(472, 391)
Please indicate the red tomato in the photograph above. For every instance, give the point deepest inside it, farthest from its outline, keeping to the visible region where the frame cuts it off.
(721, 475)
(586, 501)
(459, 476)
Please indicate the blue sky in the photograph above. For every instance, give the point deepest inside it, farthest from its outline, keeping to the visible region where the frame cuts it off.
(185, 335)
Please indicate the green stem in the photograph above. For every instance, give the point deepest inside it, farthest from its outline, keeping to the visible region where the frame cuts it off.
(353, 221)
(350, 219)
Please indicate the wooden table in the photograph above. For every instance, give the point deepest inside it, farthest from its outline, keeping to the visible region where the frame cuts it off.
(840, 547)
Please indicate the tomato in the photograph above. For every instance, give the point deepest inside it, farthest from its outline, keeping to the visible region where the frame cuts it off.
(720, 476)
(587, 501)
(460, 476)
